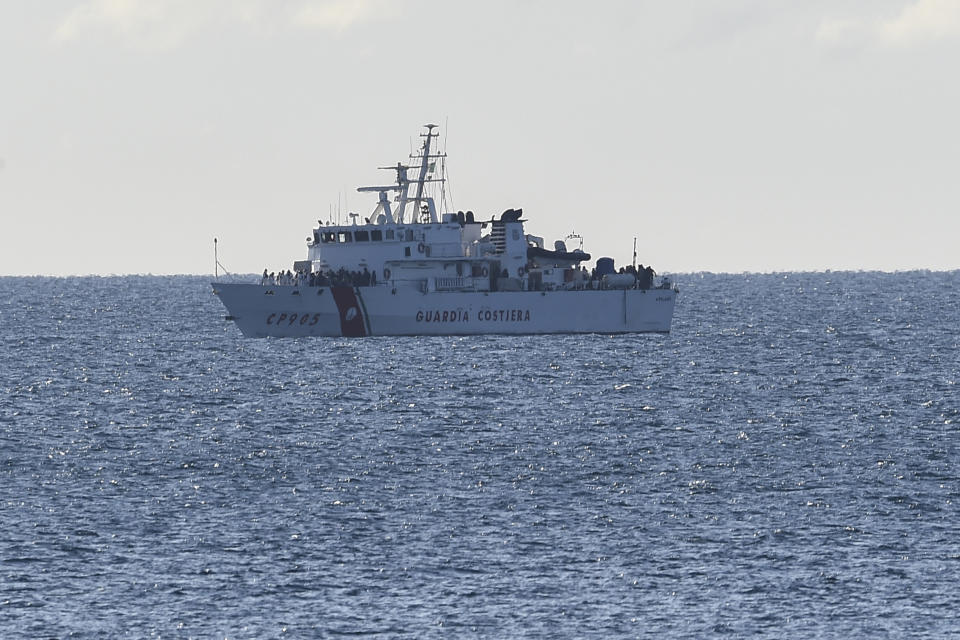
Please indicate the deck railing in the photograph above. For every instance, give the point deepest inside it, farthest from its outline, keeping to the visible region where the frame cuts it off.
(451, 283)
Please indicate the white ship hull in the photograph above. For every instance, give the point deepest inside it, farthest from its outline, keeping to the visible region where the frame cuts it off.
(411, 269)
(291, 311)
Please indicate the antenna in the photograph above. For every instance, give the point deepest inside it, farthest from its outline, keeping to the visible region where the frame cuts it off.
(216, 263)
(443, 168)
(634, 253)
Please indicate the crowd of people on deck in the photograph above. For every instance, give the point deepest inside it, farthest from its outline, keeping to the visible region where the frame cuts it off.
(365, 278)
(339, 278)
(644, 276)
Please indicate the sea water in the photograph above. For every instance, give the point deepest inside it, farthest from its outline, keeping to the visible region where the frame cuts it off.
(783, 464)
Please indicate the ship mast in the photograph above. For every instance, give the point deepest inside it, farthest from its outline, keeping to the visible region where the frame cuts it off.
(424, 165)
(403, 184)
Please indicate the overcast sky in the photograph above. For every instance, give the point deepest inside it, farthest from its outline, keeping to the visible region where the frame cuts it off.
(735, 135)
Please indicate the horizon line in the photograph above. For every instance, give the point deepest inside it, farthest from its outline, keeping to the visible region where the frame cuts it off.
(664, 273)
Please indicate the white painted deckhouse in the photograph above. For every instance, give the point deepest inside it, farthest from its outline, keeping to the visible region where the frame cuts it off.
(408, 269)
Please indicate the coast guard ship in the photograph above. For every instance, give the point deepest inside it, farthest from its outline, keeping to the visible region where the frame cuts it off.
(408, 269)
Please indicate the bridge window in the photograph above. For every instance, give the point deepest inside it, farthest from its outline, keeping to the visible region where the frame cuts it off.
(389, 234)
(376, 235)
(344, 236)
(361, 236)
(328, 236)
